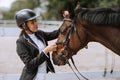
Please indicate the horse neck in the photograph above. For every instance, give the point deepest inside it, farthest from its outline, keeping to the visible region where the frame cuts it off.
(106, 35)
(83, 37)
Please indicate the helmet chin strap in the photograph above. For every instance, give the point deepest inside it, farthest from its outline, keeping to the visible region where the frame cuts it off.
(27, 28)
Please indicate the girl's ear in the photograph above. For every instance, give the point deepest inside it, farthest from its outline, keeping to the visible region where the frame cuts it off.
(23, 26)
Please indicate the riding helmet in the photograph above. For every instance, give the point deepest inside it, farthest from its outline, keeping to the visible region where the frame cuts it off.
(24, 15)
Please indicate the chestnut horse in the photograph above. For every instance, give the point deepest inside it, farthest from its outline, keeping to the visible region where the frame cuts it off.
(88, 25)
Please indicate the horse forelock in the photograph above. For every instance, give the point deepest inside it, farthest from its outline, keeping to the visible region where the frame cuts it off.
(100, 16)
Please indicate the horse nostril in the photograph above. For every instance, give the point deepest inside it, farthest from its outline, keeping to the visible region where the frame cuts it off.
(63, 54)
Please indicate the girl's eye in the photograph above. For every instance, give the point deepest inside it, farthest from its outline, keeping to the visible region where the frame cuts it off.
(33, 21)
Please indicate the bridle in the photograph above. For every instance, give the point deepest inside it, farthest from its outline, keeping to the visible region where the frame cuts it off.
(66, 41)
(66, 46)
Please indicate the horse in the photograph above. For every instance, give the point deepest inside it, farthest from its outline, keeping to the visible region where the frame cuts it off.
(100, 25)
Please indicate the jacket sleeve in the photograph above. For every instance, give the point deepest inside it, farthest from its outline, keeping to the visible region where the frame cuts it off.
(51, 35)
(30, 62)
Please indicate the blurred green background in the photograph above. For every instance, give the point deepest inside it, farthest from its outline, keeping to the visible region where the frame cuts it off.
(49, 9)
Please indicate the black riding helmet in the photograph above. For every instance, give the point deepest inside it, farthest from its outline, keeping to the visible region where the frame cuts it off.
(24, 15)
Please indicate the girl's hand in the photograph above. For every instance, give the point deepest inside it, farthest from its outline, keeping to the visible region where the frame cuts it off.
(50, 48)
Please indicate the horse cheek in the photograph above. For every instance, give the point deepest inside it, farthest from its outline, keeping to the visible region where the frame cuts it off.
(74, 43)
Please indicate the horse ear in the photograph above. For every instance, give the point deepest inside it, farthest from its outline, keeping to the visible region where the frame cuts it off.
(77, 6)
(66, 14)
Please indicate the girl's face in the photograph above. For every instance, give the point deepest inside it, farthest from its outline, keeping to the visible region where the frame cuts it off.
(33, 26)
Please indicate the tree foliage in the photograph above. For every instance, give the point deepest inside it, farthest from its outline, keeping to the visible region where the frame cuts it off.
(109, 3)
(54, 6)
(18, 5)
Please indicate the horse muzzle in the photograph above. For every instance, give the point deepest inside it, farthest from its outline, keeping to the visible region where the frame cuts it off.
(59, 59)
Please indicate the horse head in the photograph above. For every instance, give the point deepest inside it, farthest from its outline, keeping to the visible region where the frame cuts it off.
(70, 40)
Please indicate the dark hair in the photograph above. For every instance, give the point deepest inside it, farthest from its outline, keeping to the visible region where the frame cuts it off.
(22, 32)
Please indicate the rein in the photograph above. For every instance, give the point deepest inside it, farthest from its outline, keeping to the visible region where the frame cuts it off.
(66, 41)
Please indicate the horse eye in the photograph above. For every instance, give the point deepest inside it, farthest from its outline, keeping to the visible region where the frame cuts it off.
(62, 31)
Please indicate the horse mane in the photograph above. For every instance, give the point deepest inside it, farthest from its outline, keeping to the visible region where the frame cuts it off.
(100, 16)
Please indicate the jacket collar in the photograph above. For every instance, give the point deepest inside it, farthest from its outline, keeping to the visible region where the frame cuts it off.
(41, 38)
(30, 41)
